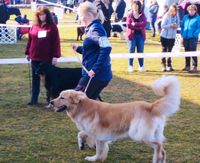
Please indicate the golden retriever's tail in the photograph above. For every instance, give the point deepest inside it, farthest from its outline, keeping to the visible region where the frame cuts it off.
(169, 88)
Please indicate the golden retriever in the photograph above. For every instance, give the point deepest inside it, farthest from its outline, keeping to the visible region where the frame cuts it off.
(141, 121)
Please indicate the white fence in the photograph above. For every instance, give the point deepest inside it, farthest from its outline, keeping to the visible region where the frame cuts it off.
(8, 35)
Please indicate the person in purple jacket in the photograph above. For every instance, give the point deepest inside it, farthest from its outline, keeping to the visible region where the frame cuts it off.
(95, 52)
(136, 35)
(43, 46)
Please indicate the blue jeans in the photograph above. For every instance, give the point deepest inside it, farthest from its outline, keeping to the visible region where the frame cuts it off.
(137, 41)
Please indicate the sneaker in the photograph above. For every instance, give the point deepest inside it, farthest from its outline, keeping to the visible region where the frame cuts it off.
(141, 69)
(130, 68)
(187, 68)
(169, 68)
(163, 68)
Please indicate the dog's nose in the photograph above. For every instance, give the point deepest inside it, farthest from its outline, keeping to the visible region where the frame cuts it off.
(51, 102)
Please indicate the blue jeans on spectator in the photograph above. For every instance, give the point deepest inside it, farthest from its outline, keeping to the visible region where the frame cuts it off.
(137, 41)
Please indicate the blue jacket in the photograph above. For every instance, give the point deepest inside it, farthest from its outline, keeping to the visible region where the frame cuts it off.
(190, 27)
(167, 31)
(96, 51)
(153, 10)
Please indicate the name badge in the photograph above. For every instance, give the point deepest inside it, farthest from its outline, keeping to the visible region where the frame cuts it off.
(42, 34)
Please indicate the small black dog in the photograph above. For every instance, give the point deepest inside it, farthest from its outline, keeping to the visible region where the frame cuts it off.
(57, 79)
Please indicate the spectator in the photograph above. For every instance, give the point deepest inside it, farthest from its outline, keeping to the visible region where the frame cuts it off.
(43, 46)
(4, 14)
(190, 29)
(70, 4)
(119, 13)
(106, 7)
(55, 18)
(22, 30)
(136, 35)
(153, 10)
(165, 9)
(95, 51)
(169, 26)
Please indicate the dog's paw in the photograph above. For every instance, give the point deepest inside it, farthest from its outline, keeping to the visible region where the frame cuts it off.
(91, 158)
(49, 106)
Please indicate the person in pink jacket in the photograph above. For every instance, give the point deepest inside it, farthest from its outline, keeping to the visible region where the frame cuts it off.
(136, 28)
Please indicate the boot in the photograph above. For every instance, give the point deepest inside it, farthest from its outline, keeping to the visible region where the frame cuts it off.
(194, 70)
(187, 68)
(169, 68)
(164, 69)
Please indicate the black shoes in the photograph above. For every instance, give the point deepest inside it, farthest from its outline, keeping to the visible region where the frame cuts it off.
(32, 103)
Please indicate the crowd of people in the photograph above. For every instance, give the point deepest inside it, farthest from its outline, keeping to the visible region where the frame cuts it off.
(166, 25)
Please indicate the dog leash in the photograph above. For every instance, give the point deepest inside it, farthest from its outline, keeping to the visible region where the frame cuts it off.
(85, 70)
(88, 85)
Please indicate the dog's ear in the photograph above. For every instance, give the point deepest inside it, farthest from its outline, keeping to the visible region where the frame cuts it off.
(76, 97)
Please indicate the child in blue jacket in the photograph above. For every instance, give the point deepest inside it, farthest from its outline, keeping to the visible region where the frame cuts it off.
(95, 51)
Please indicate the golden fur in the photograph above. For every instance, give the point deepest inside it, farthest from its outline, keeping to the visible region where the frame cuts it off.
(141, 121)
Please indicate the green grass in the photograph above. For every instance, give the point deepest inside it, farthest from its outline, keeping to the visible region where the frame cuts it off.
(35, 134)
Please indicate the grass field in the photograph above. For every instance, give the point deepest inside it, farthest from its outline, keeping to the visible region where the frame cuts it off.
(35, 134)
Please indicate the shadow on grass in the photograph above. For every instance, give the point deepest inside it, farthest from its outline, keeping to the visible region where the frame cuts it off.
(35, 134)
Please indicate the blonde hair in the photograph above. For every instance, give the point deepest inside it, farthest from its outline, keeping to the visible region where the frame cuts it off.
(88, 7)
(173, 7)
(192, 6)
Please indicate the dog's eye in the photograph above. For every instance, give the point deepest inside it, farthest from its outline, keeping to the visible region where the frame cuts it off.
(62, 98)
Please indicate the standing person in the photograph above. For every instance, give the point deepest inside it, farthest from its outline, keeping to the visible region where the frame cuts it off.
(136, 35)
(95, 51)
(107, 9)
(169, 25)
(153, 10)
(119, 14)
(190, 29)
(120, 9)
(43, 46)
(70, 4)
(159, 19)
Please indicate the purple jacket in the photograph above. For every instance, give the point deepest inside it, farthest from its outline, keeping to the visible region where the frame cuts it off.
(140, 24)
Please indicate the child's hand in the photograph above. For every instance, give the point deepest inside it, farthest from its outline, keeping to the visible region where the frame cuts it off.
(74, 47)
(91, 73)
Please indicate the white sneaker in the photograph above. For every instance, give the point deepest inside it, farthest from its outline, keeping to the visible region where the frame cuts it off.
(130, 68)
(141, 69)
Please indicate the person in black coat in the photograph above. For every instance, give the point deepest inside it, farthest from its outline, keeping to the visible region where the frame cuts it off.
(4, 15)
(107, 9)
(120, 9)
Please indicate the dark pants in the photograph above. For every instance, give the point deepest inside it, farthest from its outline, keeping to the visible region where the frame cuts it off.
(94, 88)
(167, 45)
(190, 45)
(153, 28)
(35, 90)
